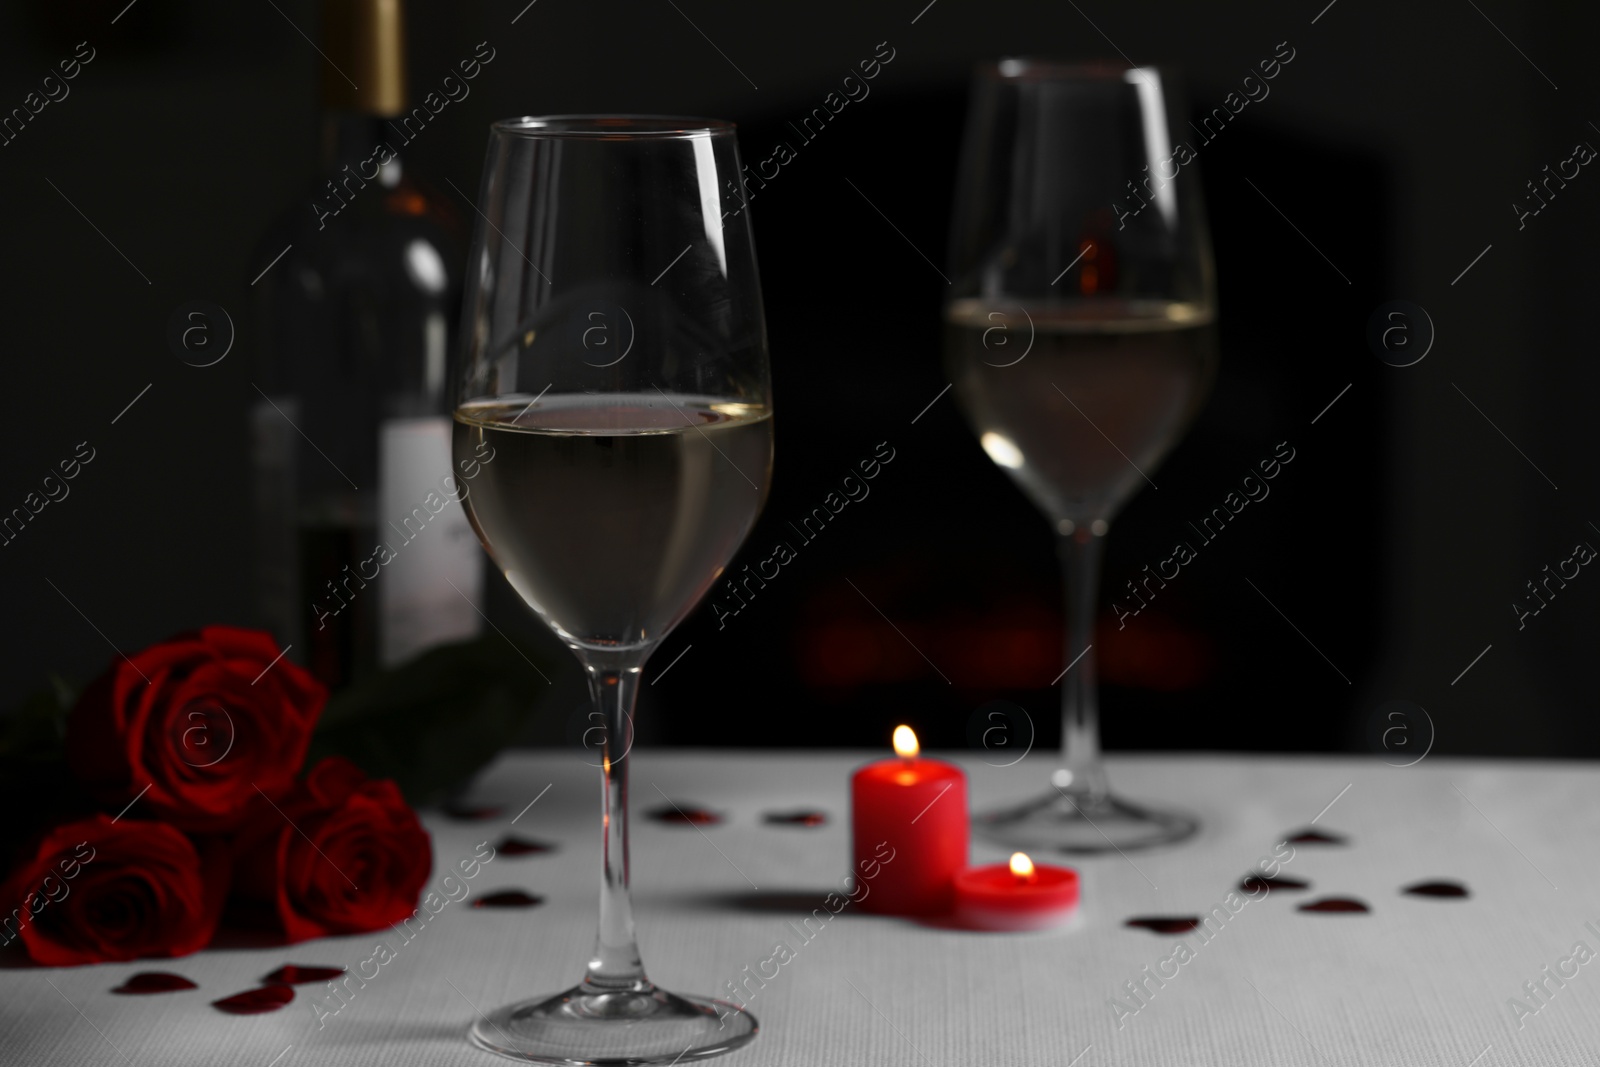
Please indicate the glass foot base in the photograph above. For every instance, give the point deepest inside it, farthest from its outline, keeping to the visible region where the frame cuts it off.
(1063, 821)
(654, 1027)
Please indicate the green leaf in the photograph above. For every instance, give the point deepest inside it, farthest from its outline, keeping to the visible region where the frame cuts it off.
(434, 721)
(36, 730)
(34, 781)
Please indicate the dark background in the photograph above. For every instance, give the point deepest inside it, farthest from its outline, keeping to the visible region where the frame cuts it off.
(1395, 141)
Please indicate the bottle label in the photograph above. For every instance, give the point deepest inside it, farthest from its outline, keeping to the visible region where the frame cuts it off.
(433, 577)
(272, 453)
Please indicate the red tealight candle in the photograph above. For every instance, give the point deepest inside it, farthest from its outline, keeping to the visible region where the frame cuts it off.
(1015, 895)
(909, 823)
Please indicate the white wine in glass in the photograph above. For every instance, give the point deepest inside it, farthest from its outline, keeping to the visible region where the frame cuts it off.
(612, 515)
(1141, 368)
(1080, 338)
(614, 417)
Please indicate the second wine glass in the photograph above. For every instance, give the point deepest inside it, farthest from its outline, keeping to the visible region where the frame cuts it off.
(614, 435)
(1079, 337)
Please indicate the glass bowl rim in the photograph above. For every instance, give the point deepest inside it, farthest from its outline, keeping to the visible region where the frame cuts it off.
(1035, 68)
(619, 127)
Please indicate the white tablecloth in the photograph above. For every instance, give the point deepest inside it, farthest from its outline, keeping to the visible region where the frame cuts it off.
(1418, 982)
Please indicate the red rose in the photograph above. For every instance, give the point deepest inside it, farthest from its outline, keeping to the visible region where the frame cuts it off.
(194, 726)
(341, 854)
(99, 889)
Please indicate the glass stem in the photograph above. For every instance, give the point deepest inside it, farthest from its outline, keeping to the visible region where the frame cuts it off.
(615, 966)
(1080, 717)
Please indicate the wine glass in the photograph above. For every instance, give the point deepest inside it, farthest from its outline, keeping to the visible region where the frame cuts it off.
(1079, 336)
(613, 436)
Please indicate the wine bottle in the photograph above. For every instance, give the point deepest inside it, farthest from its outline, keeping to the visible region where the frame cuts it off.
(366, 556)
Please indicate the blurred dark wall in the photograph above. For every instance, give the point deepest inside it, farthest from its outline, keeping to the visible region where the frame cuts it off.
(1391, 150)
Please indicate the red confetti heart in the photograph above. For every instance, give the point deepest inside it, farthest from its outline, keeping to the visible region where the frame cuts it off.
(512, 845)
(508, 898)
(1335, 904)
(1256, 883)
(797, 818)
(155, 982)
(294, 974)
(470, 812)
(1315, 837)
(1437, 889)
(1166, 924)
(256, 1001)
(681, 815)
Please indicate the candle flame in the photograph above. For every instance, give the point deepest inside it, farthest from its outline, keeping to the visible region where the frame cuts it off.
(905, 743)
(1021, 866)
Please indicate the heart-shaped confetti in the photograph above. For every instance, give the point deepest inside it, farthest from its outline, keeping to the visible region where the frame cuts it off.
(1257, 883)
(1437, 889)
(512, 845)
(1315, 837)
(796, 818)
(508, 898)
(295, 974)
(685, 815)
(256, 1001)
(154, 982)
(1166, 924)
(470, 812)
(1333, 905)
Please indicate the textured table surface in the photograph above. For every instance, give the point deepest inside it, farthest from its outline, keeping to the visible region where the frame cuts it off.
(1418, 981)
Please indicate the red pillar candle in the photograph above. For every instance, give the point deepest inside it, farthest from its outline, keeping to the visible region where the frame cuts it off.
(913, 811)
(1015, 896)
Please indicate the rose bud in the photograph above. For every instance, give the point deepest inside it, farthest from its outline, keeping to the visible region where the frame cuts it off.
(340, 854)
(98, 890)
(194, 726)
